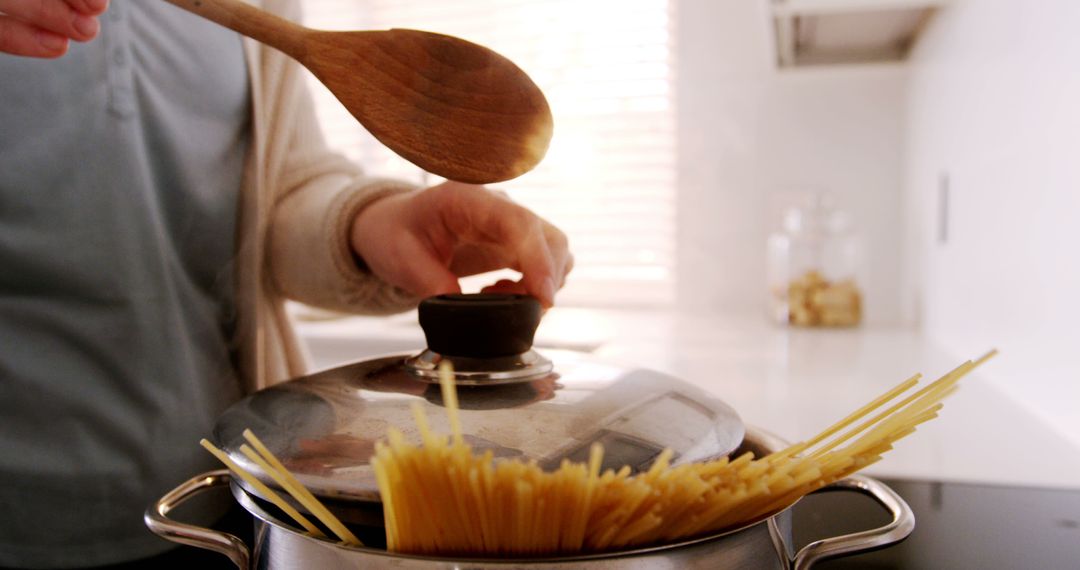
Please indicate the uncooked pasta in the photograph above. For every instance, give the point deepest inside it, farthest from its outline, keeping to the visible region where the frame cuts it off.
(442, 498)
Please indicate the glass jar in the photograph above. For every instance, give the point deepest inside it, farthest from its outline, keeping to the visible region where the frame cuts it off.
(814, 266)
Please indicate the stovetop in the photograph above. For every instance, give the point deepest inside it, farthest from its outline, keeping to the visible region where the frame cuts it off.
(957, 527)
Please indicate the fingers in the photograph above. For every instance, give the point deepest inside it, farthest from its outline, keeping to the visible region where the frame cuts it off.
(566, 267)
(17, 38)
(537, 266)
(89, 7)
(472, 258)
(423, 241)
(542, 252)
(559, 246)
(520, 238)
(478, 216)
(42, 28)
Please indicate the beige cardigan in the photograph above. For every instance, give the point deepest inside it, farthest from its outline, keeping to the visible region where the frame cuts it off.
(297, 202)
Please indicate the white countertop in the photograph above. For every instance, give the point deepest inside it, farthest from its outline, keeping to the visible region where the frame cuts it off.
(791, 382)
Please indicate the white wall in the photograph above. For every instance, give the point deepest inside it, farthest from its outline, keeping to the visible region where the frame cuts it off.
(748, 132)
(995, 105)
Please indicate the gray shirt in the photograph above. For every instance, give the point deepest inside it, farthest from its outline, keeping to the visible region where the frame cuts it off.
(120, 168)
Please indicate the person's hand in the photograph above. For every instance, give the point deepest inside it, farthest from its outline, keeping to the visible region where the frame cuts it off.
(42, 28)
(424, 241)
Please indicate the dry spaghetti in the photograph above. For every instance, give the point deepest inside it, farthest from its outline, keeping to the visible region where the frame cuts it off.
(442, 498)
(272, 466)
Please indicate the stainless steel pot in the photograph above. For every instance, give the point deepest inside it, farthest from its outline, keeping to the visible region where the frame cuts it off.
(513, 402)
(763, 545)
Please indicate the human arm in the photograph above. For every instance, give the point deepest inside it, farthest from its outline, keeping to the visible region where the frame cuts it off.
(347, 242)
(380, 246)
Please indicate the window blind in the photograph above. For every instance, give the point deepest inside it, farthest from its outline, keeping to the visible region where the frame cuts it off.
(609, 177)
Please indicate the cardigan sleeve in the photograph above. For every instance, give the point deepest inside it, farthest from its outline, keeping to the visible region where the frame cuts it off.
(314, 196)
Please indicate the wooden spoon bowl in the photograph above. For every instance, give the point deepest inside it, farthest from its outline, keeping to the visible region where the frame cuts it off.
(449, 106)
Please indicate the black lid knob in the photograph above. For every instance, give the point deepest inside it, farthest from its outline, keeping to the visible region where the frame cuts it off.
(479, 325)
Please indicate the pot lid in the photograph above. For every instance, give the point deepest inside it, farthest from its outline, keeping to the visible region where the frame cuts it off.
(513, 401)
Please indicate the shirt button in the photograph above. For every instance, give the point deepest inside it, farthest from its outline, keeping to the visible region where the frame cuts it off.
(118, 57)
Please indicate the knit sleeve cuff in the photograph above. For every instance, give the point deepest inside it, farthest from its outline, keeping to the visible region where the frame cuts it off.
(310, 256)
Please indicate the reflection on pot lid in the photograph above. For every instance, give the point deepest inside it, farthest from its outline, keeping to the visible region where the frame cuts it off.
(324, 426)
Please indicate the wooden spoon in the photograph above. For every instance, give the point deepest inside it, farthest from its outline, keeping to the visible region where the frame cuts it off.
(451, 107)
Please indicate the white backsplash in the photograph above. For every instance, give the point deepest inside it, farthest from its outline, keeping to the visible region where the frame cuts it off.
(748, 132)
(994, 93)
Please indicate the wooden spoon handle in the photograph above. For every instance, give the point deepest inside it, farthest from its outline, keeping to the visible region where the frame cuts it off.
(252, 22)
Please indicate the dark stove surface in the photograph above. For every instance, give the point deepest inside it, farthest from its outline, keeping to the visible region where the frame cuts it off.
(957, 527)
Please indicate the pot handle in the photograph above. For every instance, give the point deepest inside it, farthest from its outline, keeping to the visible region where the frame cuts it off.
(191, 535)
(901, 526)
